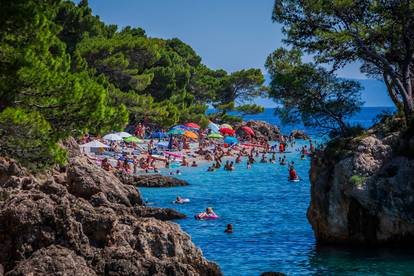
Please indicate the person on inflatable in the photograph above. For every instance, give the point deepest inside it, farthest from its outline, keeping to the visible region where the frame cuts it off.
(179, 200)
(209, 213)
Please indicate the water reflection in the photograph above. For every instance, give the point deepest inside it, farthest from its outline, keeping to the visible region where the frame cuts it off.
(361, 261)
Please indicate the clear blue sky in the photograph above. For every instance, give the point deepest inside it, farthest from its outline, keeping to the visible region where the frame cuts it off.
(227, 34)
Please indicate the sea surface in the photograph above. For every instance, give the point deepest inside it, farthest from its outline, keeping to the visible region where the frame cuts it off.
(271, 232)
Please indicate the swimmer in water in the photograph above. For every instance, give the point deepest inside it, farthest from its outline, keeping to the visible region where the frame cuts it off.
(229, 229)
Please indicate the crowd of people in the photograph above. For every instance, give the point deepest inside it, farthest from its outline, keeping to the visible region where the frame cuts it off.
(170, 152)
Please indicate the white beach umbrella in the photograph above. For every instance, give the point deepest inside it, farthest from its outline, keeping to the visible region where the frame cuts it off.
(94, 144)
(123, 134)
(112, 137)
(214, 128)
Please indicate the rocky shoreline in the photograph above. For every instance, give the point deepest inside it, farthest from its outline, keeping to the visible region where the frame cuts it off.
(362, 189)
(151, 180)
(84, 220)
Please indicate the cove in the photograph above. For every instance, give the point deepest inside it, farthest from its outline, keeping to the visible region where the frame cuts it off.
(269, 218)
(271, 231)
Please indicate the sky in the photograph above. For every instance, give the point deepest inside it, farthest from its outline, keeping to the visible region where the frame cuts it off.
(227, 34)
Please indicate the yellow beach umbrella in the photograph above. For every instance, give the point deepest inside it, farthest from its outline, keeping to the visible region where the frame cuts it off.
(226, 126)
(191, 135)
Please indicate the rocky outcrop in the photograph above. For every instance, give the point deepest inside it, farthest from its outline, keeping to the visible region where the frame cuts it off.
(363, 190)
(87, 222)
(151, 180)
(299, 134)
(261, 129)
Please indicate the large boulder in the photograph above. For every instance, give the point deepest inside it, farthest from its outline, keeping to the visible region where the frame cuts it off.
(362, 191)
(85, 179)
(88, 223)
(261, 129)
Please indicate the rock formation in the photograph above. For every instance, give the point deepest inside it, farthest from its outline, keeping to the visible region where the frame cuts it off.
(299, 134)
(151, 180)
(85, 221)
(262, 129)
(363, 189)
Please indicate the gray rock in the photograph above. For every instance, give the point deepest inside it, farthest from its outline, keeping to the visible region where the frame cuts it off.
(261, 129)
(151, 180)
(90, 224)
(364, 195)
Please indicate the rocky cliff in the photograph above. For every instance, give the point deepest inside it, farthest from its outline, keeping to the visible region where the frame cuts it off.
(362, 189)
(84, 221)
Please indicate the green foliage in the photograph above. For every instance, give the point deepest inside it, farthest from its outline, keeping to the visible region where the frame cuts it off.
(28, 137)
(250, 109)
(36, 80)
(310, 93)
(241, 86)
(358, 180)
(78, 23)
(378, 33)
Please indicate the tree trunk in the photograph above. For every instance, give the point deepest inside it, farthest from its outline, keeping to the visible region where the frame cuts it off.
(407, 96)
(391, 91)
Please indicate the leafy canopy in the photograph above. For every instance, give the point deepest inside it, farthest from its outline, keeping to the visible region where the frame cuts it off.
(38, 88)
(308, 93)
(379, 33)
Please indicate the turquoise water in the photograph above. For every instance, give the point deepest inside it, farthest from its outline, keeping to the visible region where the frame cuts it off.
(271, 232)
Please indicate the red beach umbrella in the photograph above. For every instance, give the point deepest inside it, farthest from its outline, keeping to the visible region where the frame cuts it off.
(227, 131)
(192, 125)
(248, 130)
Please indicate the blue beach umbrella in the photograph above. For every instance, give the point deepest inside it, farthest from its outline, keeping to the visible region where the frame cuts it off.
(159, 135)
(181, 127)
(230, 140)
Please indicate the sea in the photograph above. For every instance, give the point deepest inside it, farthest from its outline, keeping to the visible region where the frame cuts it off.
(268, 213)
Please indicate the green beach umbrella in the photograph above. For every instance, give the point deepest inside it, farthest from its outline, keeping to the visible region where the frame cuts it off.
(176, 131)
(215, 136)
(132, 139)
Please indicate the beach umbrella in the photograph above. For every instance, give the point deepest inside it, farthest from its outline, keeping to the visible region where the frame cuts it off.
(132, 139)
(227, 131)
(94, 144)
(181, 127)
(163, 144)
(192, 125)
(176, 131)
(215, 136)
(230, 140)
(214, 128)
(123, 134)
(191, 135)
(112, 137)
(226, 126)
(248, 130)
(159, 135)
